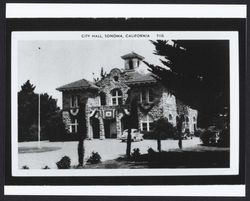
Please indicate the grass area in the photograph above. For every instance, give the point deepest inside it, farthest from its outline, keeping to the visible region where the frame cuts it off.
(25, 150)
(193, 154)
(202, 157)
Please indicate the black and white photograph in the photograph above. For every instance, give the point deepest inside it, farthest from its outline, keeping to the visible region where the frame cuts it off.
(133, 100)
(125, 103)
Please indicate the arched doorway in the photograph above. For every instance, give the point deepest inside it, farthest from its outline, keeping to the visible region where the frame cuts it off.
(96, 127)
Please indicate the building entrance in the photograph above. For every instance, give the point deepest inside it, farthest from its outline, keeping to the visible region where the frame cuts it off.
(110, 128)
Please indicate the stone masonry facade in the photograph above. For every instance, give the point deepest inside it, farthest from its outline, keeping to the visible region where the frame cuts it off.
(107, 102)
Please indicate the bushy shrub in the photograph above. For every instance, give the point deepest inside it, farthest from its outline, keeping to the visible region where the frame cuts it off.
(135, 155)
(149, 135)
(198, 132)
(209, 136)
(224, 138)
(151, 154)
(206, 136)
(45, 167)
(94, 158)
(162, 126)
(151, 151)
(25, 167)
(64, 163)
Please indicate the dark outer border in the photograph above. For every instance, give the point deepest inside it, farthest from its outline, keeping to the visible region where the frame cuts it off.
(156, 24)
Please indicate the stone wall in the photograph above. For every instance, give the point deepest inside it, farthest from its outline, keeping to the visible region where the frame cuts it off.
(168, 103)
(163, 105)
(66, 119)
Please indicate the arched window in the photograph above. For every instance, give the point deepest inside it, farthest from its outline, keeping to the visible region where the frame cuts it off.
(187, 119)
(116, 78)
(147, 123)
(170, 117)
(103, 98)
(194, 119)
(116, 97)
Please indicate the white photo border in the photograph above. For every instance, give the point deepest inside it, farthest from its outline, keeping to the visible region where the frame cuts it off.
(233, 38)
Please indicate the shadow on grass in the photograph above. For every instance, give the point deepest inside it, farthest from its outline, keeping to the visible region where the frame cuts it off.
(186, 159)
(180, 159)
(25, 150)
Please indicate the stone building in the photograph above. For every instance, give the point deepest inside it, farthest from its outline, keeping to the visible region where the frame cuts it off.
(107, 103)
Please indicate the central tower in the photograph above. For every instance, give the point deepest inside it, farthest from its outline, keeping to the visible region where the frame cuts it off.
(132, 61)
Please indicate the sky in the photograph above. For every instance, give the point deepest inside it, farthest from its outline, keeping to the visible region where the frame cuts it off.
(51, 64)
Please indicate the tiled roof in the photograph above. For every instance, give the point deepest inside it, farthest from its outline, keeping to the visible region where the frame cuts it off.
(137, 78)
(132, 55)
(80, 84)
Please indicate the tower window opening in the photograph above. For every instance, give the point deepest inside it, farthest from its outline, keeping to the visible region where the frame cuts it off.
(130, 64)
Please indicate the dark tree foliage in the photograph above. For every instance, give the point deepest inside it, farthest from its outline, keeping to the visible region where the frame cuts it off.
(55, 129)
(27, 111)
(50, 116)
(197, 73)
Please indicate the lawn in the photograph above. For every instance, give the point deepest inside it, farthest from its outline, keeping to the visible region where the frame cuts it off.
(111, 149)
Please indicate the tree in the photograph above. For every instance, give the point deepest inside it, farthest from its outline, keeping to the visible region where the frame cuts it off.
(131, 119)
(197, 73)
(82, 133)
(52, 126)
(163, 129)
(27, 111)
(179, 122)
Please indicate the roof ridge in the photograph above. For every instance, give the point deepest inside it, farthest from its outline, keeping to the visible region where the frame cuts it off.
(81, 83)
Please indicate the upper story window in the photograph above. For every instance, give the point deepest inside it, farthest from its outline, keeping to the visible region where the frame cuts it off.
(170, 118)
(116, 78)
(130, 63)
(147, 123)
(194, 119)
(103, 98)
(116, 97)
(74, 101)
(146, 95)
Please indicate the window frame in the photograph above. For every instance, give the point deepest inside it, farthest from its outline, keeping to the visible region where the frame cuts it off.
(147, 122)
(75, 125)
(146, 93)
(116, 97)
(74, 103)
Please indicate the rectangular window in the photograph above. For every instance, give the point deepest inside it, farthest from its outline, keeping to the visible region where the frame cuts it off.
(146, 95)
(114, 101)
(150, 95)
(74, 101)
(120, 101)
(151, 126)
(143, 95)
(73, 127)
(144, 127)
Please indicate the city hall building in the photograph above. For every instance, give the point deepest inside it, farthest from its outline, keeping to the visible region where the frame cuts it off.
(107, 102)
